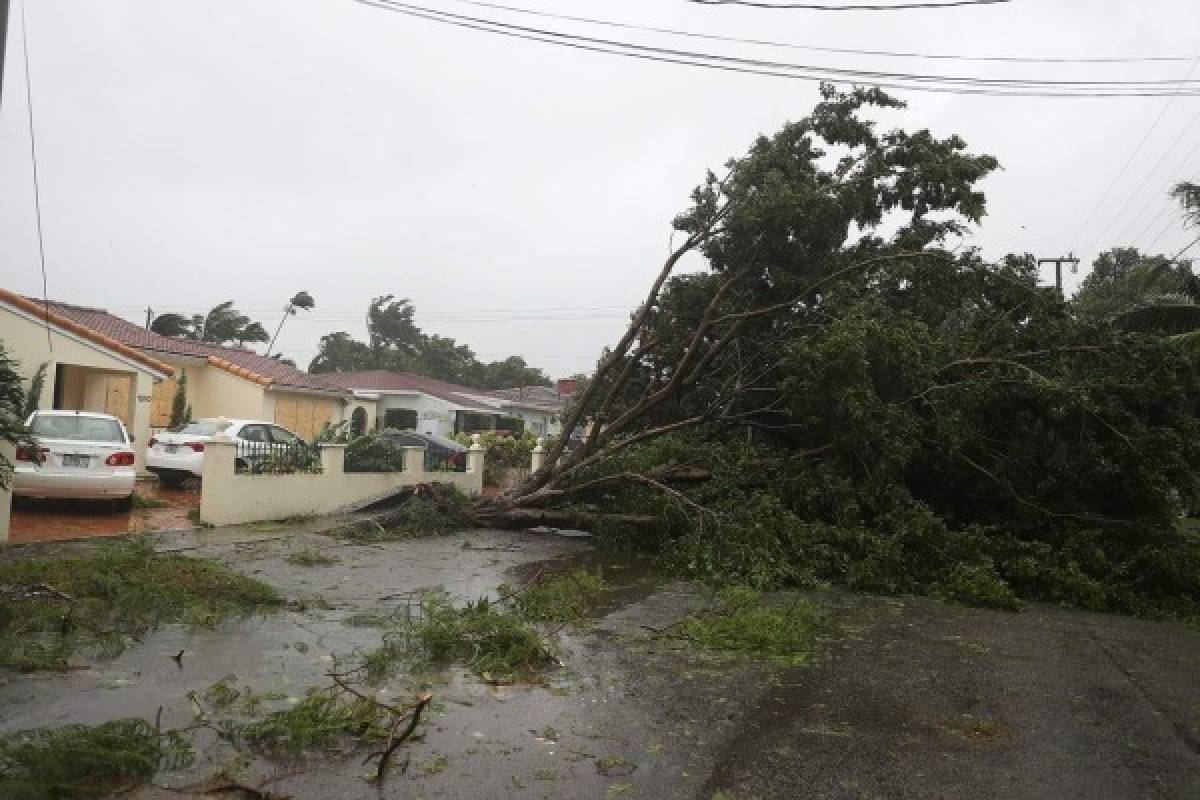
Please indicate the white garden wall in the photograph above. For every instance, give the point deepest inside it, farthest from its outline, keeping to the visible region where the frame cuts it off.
(228, 498)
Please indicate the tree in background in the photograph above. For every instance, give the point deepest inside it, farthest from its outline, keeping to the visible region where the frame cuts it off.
(395, 342)
(1123, 279)
(1152, 294)
(223, 324)
(177, 326)
(301, 301)
(341, 352)
(1188, 195)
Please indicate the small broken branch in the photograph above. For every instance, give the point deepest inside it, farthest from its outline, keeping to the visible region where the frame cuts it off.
(394, 742)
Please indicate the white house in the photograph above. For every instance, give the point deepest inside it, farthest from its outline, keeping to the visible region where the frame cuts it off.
(387, 399)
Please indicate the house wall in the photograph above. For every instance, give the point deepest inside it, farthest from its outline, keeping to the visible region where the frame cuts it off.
(542, 423)
(95, 378)
(371, 407)
(434, 415)
(216, 393)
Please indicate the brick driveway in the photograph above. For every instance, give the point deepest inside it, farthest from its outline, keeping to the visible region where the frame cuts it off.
(54, 520)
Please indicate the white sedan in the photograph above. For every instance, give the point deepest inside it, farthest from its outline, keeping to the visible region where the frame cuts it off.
(78, 454)
(176, 456)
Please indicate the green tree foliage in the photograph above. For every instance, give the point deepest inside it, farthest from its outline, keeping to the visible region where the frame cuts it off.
(176, 326)
(12, 407)
(181, 412)
(827, 404)
(395, 342)
(33, 396)
(1123, 279)
(224, 324)
(301, 301)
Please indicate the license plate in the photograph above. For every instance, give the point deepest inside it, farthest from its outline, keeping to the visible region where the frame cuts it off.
(75, 461)
(171, 448)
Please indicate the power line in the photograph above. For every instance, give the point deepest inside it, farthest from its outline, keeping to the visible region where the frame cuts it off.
(820, 48)
(1128, 161)
(37, 192)
(852, 7)
(1179, 170)
(1009, 87)
(1146, 178)
(1194, 242)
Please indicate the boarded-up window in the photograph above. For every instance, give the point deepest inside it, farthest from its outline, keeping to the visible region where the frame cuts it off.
(161, 398)
(304, 416)
(116, 398)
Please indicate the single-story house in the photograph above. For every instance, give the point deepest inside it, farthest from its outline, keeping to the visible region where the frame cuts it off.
(221, 381)
(86, 370)
(388, 399)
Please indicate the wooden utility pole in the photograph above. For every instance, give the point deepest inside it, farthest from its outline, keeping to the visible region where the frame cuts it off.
(3, 39)
(1069, 258)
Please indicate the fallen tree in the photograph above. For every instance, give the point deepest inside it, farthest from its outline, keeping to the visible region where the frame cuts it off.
(826, 403)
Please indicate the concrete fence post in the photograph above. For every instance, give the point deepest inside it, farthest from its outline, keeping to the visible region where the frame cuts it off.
(333, 459)
(220, 457)
(9, 452)
(414, 459)
(475, 456)
(539, 456)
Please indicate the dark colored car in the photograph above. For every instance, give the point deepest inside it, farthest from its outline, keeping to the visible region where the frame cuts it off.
(441, 454)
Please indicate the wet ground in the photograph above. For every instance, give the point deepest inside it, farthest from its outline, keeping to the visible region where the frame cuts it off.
(59, 520)
(908, 698)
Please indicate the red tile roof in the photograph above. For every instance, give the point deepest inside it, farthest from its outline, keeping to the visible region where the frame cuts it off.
(55, 317)
(237, 361)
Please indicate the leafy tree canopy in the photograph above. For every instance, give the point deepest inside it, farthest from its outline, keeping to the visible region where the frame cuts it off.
(1123, 278)
(395, 342)
(223, 324)
(842, 398)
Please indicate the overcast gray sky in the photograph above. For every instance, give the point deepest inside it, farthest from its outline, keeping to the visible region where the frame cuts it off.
(519, 193)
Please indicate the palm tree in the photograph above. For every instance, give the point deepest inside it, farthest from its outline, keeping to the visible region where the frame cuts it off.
(1188, 195)
(1176, 313)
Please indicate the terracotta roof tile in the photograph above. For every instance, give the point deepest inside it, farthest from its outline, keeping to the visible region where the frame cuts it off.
(238, 361)
(66, 321)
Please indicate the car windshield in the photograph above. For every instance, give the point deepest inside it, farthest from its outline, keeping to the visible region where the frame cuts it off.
(78, 429)
(201, 427)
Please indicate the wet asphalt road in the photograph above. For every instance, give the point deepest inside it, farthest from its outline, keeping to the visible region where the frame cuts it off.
(934, 701)
(908, 697)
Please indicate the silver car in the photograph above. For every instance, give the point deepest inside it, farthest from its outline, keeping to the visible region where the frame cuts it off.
(78, 454)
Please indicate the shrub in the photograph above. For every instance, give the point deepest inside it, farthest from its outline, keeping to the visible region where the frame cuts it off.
(502, 452)
(373, 453)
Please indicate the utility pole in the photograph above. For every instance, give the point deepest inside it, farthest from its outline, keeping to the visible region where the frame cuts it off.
(3, 39)
(1069, 258)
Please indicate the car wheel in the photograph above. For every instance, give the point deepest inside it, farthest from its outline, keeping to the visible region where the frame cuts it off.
(124, 503)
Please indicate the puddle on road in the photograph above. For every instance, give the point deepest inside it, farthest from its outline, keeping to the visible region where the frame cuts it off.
(585, 730)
